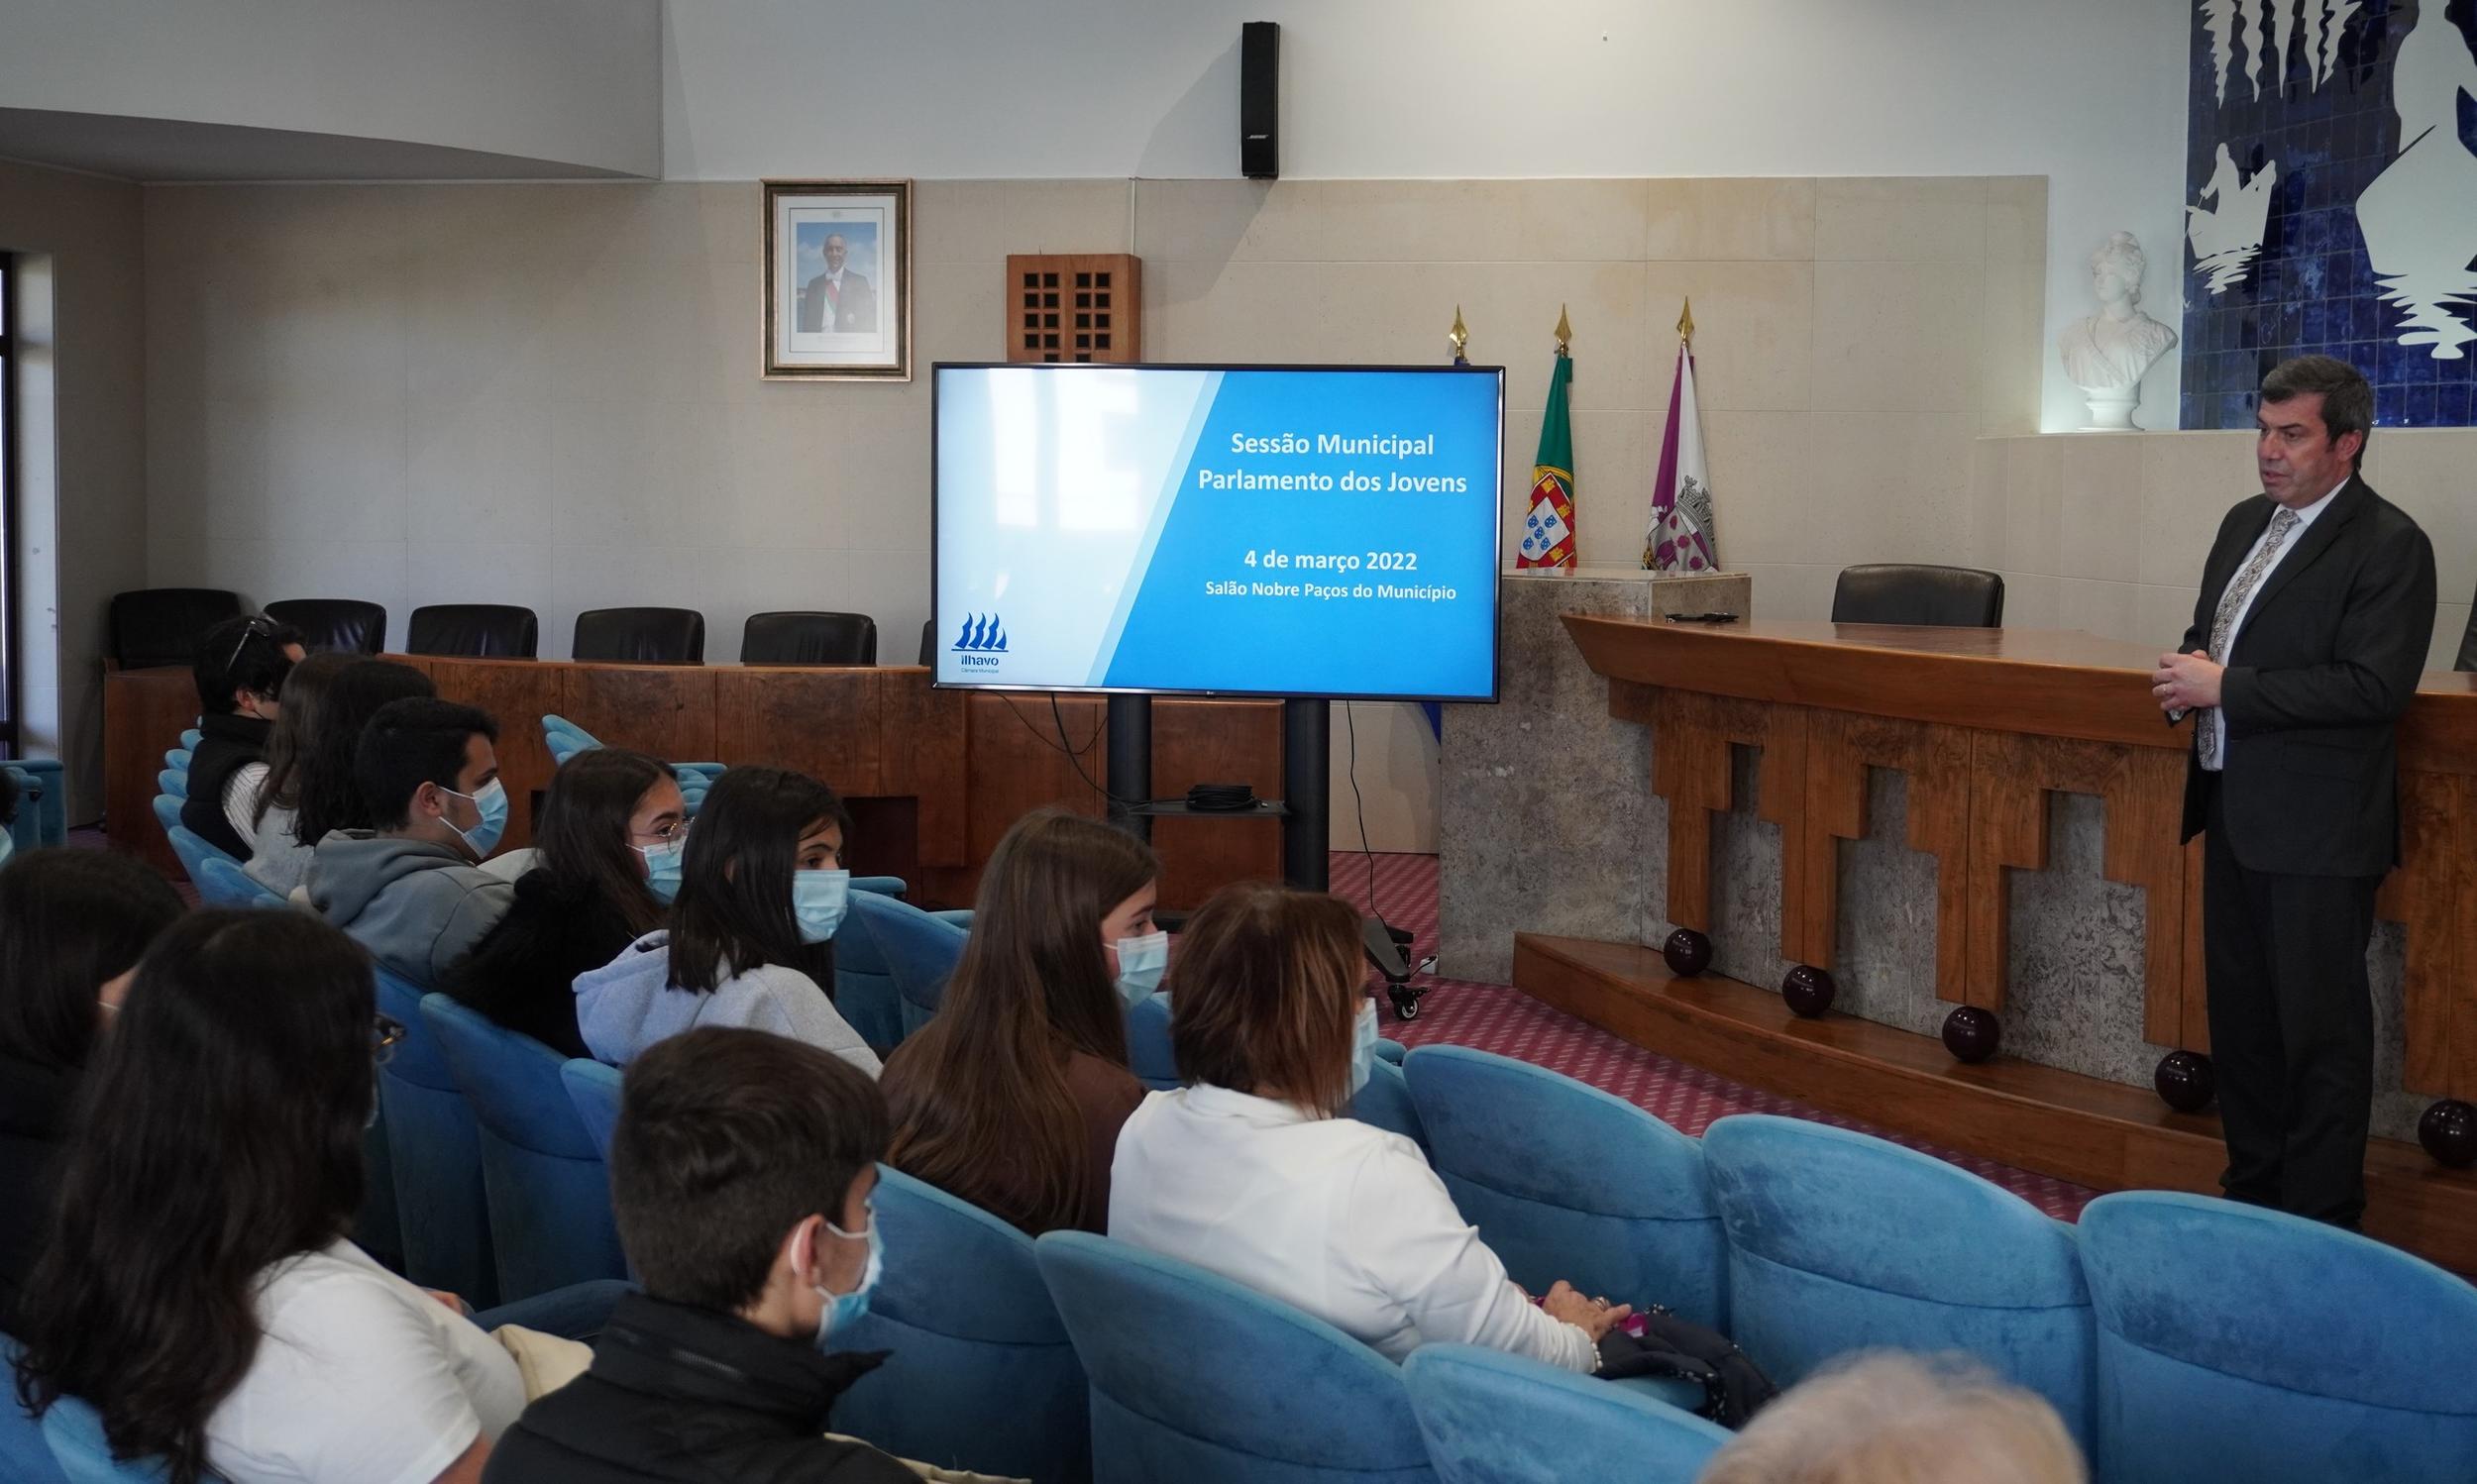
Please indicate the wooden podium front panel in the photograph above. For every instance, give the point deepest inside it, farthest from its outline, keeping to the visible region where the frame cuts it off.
(1017, 761)
(821, 722)
(2432, 896)
(1840, 748)
(145, 712)
(2143, 790)
(1987, 724)
(665, 709)
(922, 743)
(1692, 768)
(519, 695)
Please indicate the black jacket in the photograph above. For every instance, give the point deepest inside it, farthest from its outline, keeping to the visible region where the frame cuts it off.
(678, 1393)
(523, 970)
(34, 1107)
(2329, 657)
(225, 744)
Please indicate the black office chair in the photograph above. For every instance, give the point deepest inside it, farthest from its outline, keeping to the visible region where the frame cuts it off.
(809, 639)
(153, 626)
(1956, 597)
(640, 636)
(346, 625)
(928, 642)
(474, 631)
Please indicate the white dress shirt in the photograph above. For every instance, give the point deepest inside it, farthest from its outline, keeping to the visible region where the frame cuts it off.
(1329, 1215)
(2296, 538)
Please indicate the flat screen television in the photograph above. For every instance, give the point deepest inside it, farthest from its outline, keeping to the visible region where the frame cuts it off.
(1219, 530)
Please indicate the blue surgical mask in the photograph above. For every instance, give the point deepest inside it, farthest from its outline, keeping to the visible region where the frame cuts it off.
(482, 838)
(1363, 1047)
(662, 865)
(817, 901)
(842, 1310)
(1140, 962)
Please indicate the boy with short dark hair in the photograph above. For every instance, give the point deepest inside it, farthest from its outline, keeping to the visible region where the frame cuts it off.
(239, 669)
(412, 891)
(740, 1174)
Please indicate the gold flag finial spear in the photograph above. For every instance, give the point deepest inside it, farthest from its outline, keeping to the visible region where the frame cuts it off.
(1564, 330)
(1458, 337)
(1685, 323)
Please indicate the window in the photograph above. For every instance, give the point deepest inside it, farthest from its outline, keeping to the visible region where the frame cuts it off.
(8, 506)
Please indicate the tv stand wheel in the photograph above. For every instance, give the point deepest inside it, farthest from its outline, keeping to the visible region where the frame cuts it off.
(1405, 1003)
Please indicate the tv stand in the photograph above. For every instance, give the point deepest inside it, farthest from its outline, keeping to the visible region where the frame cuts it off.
(1305, 808)
(1305, 811)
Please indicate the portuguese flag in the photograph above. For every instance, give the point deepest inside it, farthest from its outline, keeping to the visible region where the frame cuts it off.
(1548, 531)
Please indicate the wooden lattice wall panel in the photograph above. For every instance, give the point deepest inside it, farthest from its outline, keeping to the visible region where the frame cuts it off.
(1075, 306)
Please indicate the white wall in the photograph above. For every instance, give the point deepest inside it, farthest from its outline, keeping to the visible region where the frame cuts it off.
(569, 80)
(2090, 93)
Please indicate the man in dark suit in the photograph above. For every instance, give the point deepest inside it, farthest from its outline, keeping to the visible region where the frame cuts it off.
(836, 299)
(2315, 608)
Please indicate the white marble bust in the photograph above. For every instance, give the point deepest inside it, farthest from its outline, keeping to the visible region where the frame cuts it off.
(2107, 354)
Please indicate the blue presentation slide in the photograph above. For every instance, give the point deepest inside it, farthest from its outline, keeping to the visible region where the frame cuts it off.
(1251, 531)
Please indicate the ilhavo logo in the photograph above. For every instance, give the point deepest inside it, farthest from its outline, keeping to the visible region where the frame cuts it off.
(982, 642)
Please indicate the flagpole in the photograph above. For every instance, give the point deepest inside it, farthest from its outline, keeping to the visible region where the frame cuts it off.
(1550, 544)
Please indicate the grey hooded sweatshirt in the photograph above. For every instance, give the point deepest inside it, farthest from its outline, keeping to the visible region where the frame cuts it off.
(417, 905)
(630, 1004)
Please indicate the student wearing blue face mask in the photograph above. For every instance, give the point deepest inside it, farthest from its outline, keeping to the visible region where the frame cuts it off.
(1012, 1096)
(1252, 1172)
(412, 891)
(750, 940)
(740, 1174)
(607, 849)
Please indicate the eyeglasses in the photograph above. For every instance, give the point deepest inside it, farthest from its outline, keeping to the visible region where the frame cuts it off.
(385, 1036)
(257, 626)
(675, 830)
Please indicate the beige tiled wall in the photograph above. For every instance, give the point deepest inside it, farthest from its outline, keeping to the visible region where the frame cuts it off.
(1854, 340)
(547, 394)
(2108, 531)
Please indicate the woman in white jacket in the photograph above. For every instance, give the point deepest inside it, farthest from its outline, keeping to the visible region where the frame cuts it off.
(762, 890)
(1249, 1171)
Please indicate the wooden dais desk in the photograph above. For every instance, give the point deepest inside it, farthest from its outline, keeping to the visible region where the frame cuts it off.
(934, 778)
(1985, 723)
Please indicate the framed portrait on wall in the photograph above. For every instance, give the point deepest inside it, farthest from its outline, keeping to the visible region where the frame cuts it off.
(838, 280)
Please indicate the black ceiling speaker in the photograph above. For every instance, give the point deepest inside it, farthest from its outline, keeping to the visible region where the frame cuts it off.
(1259, 100)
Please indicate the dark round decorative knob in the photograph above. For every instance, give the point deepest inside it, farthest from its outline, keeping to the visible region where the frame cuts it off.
(1688, 953)
(2185, 1081)
(1808, 989)
(2448, 1131)
(1971, 1033)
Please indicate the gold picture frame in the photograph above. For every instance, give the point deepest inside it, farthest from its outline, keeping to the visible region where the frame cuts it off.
(837, 272)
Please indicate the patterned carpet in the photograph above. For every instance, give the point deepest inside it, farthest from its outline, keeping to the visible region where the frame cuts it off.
(1494, 1017)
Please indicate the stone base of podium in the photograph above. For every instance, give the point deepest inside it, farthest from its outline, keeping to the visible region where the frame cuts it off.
(2094, 1132)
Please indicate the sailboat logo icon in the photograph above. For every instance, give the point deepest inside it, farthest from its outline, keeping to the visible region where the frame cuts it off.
(982, 634)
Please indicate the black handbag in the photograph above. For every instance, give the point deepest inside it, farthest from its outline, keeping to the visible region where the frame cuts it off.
(1734, 1387)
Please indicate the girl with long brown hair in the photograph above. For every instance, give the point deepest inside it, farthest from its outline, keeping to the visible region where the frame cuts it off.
(277, 861)
(1012, 1096)
(608, 847)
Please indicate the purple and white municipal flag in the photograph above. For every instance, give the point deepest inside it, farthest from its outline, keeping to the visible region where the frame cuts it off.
(1681, 538)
